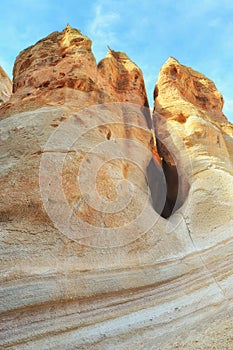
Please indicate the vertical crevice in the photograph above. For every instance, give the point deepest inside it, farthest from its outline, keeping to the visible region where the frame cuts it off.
(165, 181)
(172, 185)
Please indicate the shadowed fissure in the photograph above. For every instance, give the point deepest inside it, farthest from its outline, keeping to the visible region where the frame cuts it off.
(164, 181)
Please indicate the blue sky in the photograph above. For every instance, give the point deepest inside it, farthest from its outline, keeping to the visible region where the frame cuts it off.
(198, 33)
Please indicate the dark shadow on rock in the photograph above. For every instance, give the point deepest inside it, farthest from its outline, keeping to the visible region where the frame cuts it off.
(164, 188)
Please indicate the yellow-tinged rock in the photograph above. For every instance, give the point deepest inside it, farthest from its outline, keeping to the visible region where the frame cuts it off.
(5, 86)
(86, 262)
(182, 91)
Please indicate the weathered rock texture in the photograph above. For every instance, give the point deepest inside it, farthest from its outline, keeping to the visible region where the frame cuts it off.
(86, 262)
(193, 94)
(46, 73)
(5, 86)
(198, 142)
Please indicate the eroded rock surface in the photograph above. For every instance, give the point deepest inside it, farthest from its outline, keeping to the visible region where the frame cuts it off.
(197, 139)
(182, 91)
(86, 261)
(62, 68)
(5, 86)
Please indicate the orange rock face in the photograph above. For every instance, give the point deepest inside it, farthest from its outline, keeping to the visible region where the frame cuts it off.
(123, 78)
(182, 91)
(63, 65)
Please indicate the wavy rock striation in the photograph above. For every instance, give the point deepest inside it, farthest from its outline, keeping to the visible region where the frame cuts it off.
(5, 86)
(87, 262)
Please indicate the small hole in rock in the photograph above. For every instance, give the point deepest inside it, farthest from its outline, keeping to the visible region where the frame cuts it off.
(109, 134)
(45, 84)
(173, 72)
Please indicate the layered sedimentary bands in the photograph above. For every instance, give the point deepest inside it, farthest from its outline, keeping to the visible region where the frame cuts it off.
(116, 223)
(5, 86)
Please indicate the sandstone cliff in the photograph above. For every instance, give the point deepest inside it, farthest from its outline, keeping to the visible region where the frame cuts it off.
(87, 260)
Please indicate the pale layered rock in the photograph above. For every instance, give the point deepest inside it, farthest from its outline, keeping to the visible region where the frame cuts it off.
(86, 261)
(40, 123)
(5, 86)
(198, 141)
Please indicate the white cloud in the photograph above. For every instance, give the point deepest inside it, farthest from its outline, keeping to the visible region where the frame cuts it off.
(102, 23)
(101, 29)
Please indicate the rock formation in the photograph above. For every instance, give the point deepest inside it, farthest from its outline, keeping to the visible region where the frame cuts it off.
(87, 260)
(195, 94)
(45, 73)
(5, 86)
(189, 120)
